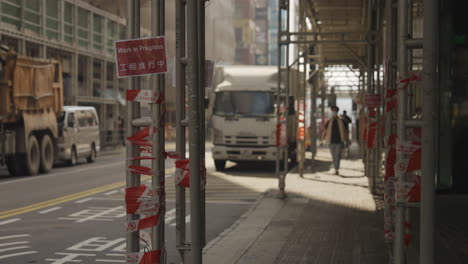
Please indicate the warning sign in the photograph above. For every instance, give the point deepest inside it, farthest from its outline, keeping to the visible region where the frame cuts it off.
(140, 56)
(372, 100)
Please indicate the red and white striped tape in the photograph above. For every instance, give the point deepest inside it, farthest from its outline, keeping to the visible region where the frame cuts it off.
(182, 174)
(142, 223)
(144, 96)
(142, 200)
(151, 257)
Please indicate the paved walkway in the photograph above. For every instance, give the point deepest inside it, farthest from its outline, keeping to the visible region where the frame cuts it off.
(325, 219)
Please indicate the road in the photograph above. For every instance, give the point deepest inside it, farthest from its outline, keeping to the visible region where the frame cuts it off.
(77, 214)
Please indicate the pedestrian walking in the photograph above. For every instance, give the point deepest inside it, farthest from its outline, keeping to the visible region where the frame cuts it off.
(347, 122)
(336, 136)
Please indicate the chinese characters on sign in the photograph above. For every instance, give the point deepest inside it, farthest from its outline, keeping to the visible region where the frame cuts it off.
(140, 56)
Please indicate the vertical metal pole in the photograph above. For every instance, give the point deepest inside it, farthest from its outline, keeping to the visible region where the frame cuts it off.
(194, 72)
(390, 78)
(313, 125)
(429, 115)
(370, 153)
(201, 46)
(402, 68)
(180, 128)
(278, 101)
(157, 122)
(133, 111)
(288, 80)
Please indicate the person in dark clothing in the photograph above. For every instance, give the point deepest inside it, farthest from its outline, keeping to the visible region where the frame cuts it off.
(347, 120)
(336, 136)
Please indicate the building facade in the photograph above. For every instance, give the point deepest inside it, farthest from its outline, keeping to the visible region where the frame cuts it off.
(81, 35)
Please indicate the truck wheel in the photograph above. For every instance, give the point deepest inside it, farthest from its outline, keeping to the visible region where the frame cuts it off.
(47, 154)
(33, 157)
(92, 156)
(73, 157)
(220, 164)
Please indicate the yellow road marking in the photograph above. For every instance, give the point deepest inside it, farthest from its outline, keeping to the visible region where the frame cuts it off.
(66, 198)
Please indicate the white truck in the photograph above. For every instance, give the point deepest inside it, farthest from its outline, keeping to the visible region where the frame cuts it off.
(244, 116)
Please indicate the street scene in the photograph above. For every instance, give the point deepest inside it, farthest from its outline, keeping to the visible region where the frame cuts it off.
(233, 131)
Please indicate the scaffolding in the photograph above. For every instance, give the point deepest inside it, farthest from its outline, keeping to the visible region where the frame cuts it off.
(190, 173)
(381, 43)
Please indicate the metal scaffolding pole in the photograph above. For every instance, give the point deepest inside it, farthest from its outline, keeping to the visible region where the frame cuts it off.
(194, 73)
(288, 81)
(282, 104)
(157, 122)
(180, 124)
(133, 112)
(389, 129)
(201, 45)
(370, 153)
(429, 115)
(313, 114)
(402, 69)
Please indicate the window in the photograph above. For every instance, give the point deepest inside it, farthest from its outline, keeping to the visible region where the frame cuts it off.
(68, 28)
(11, 12)
(52, 22)
(112, 35)
(83, 27)
(32, 15)
(249, 104)
(98, 25)
(71, 120)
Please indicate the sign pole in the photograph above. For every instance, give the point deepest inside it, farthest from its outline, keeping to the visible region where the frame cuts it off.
(133, 112)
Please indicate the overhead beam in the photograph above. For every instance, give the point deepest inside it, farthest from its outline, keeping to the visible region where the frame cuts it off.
(355, 55)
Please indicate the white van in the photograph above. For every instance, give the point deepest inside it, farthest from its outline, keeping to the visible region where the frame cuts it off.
(78, 134)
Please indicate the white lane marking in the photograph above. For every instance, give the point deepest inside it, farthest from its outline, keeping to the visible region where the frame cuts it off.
(15, 236)
(14, 243)
(66, 173)
(10, 221)
(18, 254)
(50, 210)
(110, 260)
(96, 244)
(115, 255)
(13, 248)
(111, 192)
(97, 214)
(68, 257)
(84, 200)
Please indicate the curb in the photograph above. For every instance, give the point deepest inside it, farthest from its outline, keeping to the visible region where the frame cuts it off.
(228, 230)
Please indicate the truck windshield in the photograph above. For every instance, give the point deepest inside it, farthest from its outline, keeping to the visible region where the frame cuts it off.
(244, 103)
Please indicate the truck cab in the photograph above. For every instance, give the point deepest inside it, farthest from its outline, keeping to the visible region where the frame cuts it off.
(244, 116)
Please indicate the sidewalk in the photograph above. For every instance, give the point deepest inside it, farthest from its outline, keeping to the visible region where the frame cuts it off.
(325, 219)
